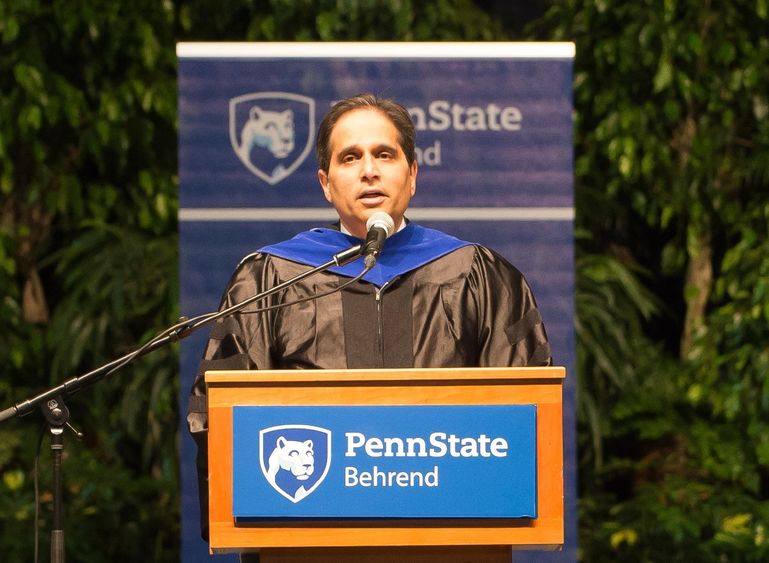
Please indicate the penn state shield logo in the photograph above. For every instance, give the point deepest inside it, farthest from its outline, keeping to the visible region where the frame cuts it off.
(295, 458)
(272, 132)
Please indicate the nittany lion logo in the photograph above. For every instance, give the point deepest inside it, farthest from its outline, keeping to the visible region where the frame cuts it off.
(295, 458)
(272, 132)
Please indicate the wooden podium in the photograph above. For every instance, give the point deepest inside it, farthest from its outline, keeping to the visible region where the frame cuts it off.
(385, 540)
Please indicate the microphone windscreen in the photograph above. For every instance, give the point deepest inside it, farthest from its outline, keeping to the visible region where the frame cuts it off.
(382, 220)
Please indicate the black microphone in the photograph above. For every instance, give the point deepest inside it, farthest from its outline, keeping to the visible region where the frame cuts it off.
(380, 226)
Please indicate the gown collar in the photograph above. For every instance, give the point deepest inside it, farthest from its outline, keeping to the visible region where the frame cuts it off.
(410, 248)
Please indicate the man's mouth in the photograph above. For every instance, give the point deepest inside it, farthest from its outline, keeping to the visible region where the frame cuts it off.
(372, 194)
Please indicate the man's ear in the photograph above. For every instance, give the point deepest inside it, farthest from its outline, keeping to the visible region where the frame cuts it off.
(323, 179)
(414, 170)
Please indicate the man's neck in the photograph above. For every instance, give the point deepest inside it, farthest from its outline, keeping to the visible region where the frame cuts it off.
(346, 231)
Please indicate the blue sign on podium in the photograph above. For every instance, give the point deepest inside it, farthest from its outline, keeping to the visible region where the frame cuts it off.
(384, 462)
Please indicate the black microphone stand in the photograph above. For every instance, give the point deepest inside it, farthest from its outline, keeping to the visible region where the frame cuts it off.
(57, 414)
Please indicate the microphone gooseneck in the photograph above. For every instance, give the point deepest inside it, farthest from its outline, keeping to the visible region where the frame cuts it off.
(380, 226)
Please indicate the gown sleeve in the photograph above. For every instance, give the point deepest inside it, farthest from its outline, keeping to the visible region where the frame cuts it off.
(238, 342)
(511, 331)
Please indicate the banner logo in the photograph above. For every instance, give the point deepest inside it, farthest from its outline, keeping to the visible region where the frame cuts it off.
(272, 132)
(295, 458)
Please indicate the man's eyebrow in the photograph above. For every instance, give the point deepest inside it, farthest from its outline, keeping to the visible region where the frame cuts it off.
(345, 150)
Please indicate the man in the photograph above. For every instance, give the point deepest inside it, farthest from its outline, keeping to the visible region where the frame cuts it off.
(430, 301)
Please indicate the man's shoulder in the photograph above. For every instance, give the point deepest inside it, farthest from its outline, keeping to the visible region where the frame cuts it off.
(477, 259)
(259, 262)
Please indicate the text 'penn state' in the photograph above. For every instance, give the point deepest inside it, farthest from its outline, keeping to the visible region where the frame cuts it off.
(437, 445)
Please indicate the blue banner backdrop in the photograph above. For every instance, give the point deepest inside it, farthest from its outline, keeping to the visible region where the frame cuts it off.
(494, 137)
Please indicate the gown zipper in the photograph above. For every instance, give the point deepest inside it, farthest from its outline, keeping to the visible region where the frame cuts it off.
(380, 318)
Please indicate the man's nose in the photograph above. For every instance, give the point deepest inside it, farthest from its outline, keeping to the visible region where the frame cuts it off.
(370, 168)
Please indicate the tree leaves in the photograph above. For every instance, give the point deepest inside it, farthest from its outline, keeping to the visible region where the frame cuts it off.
(671, 163)
(87, 227)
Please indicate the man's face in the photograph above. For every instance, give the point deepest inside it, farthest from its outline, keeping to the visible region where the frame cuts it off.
(368, 171)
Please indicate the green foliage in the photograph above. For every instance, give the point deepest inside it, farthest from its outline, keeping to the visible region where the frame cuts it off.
(88, 268)
(612, 304)
(337, 20)
(672, 152)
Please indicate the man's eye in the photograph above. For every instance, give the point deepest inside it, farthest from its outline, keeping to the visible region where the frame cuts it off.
(385, 155)
(348, 158)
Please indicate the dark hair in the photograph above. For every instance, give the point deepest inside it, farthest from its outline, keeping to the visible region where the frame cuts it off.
(396, 113)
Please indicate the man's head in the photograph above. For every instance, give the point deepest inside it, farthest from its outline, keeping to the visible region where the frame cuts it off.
(366, 155)
(393, 110)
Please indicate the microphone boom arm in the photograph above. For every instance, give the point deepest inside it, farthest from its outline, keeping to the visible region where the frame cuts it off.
(172, 334)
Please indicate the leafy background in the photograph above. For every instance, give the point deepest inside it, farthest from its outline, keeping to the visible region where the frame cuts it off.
(672, 189)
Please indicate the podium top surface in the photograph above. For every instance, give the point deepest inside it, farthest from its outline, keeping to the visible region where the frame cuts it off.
(554, 374)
